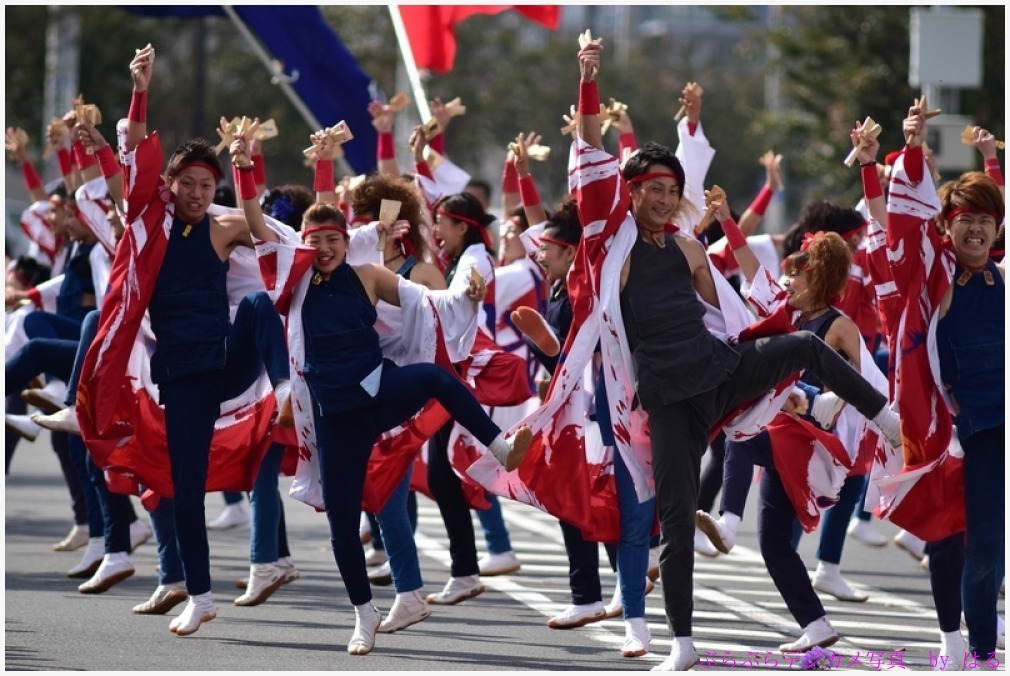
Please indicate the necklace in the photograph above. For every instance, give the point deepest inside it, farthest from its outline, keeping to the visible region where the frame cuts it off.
(319, 278)
(654, 237)
(810, 314)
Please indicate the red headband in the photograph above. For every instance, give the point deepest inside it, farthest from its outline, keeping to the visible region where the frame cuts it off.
(462, 219)
(318, 227)
(954, 213)
(654, 174)
(196, 163)
(551, 240)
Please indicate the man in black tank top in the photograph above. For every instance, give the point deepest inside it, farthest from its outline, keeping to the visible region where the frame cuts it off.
(686, 379)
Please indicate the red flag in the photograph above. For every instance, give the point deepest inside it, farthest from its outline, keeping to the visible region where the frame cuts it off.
(431, 29)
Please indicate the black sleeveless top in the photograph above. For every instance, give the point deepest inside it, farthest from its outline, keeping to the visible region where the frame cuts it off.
(189, 308)
(675, 355)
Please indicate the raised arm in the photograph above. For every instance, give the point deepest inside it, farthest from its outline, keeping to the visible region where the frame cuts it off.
(873, 193)
(141, 69)
(108, 163)
(247, 192)
(324, 182)
(737, 242)
(16, 142)
(589, 96)
(751, 218)
(382, 120)
(527, 188)
(986, 144)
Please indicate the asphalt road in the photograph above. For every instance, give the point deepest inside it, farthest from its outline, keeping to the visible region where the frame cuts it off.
(740, 618)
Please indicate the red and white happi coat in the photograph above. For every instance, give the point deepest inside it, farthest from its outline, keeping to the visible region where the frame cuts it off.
(921, 490)
(567, 471)
(429, 326)
(43, 244)
(813, 463)
(117, 403)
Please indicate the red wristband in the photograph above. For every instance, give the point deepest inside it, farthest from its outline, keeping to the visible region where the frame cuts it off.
(627, 140)
(438, 143)
(138, 107)
(246, 183)
(65, 160)
(871, 182)
(993, 171)
(386, 149)
(324, 176)
(589, 98)
(734, 238)
(108, 161)
(423, 169)
(81, 156)
(32, 180)
(35, 296)
(692, 127)
(509, 178)
(528, 191)
(760, 204)
(913, 163)
(259, 169)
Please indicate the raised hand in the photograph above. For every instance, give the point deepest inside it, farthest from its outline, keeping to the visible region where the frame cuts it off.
(589, 61)
(382, 117)
(142, 67)
(914, 126)
(90, 137)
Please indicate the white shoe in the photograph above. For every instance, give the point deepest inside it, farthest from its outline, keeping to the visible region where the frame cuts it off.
(366, 623)
(200, 609)
(140, 533)
(64, 420)
(826, 408)
(719, 533)
(653, 571)
(952, 652)
(92, 558)
(114, 569)
(819, 632)
(23, 425)
(616, 606)
(889, 424)
(364, 529)
(381, 576)
(828, 579)
(683, 655)
(49, 398)
(76, 538)
(578, 616)
(164, 598)
(866, 533)
(457, 589)
(637, 637)
(499, 564)
(408, 608)
(510, 452)
(915, 547)
(231, 517)
(704, 546)
(375, 557)
(288, 566)
(264, 580)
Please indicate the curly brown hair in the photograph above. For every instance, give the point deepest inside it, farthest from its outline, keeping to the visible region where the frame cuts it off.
(368, 197)
(826, 260)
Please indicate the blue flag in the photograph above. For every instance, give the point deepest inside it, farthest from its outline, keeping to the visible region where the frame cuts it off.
(330, 82)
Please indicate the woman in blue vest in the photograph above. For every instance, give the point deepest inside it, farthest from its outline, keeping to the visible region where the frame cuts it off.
(356, 394)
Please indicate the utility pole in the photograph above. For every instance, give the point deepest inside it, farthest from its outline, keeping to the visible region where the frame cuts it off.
(775, 216)
(62, 82)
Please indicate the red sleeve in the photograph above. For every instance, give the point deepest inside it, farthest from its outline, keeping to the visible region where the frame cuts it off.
(386, 151)
(992, 170)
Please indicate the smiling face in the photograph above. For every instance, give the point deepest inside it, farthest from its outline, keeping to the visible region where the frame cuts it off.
(449, 233)
(655, 201)
(556, 260)
(330, 246)
(972, 234)
(512, 248)
(193, 188)
(797, 285)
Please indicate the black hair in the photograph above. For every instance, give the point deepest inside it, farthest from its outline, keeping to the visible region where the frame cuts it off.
(31, 271)
(564, 224)
(466, 205)
(653, 153)
(288, 204)
(194, 150)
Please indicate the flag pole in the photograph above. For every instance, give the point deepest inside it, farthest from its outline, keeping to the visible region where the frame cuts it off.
(288, 90)
(408, 60)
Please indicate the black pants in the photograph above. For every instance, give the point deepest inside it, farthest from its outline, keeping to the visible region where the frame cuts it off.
(946, 565)
(711, 476)
(680, 434)
(447, 489)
